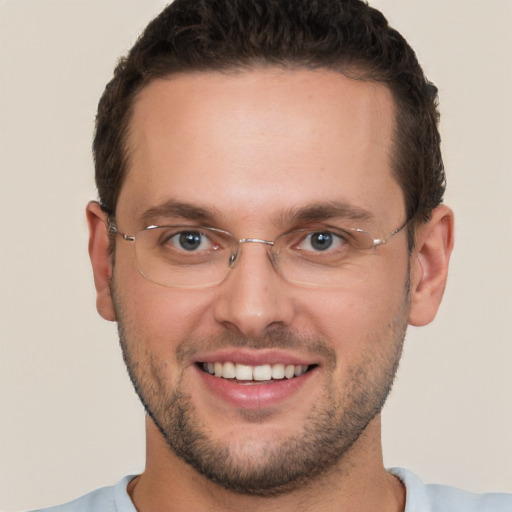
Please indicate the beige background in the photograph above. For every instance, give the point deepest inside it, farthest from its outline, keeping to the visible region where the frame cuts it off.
(69, 418)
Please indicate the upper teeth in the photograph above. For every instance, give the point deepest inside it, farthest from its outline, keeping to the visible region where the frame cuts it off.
(230, 370)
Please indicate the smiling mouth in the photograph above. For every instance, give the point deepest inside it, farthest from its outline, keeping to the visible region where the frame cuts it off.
(261, 373)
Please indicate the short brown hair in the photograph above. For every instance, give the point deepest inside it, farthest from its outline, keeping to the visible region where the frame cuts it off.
(343, 35)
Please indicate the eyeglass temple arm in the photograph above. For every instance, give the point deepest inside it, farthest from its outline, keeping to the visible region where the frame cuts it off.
(380, 241)
(112, 229)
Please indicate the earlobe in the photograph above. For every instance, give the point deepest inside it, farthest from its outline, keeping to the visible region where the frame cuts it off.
(429, 265)
(100, 259)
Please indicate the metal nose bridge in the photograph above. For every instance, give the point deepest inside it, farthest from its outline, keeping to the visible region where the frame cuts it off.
(234, 255)
(254, 240)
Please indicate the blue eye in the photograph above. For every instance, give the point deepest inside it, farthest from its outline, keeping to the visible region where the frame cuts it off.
(189, 241)
(320, 241)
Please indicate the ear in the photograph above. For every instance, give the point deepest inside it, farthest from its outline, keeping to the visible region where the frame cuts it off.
(429, 265)
(100, 259)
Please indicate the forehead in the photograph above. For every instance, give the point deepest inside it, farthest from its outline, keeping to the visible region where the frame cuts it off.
(263, 140)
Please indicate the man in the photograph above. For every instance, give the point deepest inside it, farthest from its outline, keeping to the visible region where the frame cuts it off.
(270, 220)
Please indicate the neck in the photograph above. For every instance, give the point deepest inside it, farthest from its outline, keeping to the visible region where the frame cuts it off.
(358, 482)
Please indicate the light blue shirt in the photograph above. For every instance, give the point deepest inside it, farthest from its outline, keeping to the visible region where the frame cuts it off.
(419, 498)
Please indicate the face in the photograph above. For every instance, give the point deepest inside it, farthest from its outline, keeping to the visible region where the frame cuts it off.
(259, 153)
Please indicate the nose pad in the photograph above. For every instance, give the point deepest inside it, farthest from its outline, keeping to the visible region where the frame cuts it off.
(274, 260)
(233, 258)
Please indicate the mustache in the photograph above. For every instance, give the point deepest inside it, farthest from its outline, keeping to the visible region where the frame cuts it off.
(275, 339)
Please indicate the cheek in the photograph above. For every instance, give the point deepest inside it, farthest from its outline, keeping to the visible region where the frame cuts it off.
(363, 315)
(156, 315)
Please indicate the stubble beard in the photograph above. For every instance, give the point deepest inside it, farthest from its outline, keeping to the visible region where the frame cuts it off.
(287, 464)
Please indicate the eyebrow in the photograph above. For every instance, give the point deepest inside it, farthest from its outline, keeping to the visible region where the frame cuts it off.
(323, 211)
(316, 212)
(178, 209)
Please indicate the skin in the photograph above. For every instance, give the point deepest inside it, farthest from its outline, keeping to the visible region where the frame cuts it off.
(238, 146)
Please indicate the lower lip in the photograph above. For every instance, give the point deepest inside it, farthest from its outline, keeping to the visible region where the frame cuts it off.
(255, 395)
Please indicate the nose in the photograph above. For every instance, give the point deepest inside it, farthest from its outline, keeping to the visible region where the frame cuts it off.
(254, 298)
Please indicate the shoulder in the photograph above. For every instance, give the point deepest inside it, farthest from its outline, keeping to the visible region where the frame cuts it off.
(442, 498)
(107, 499)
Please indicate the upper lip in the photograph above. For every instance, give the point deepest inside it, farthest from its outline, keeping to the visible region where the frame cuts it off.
(254, 357)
